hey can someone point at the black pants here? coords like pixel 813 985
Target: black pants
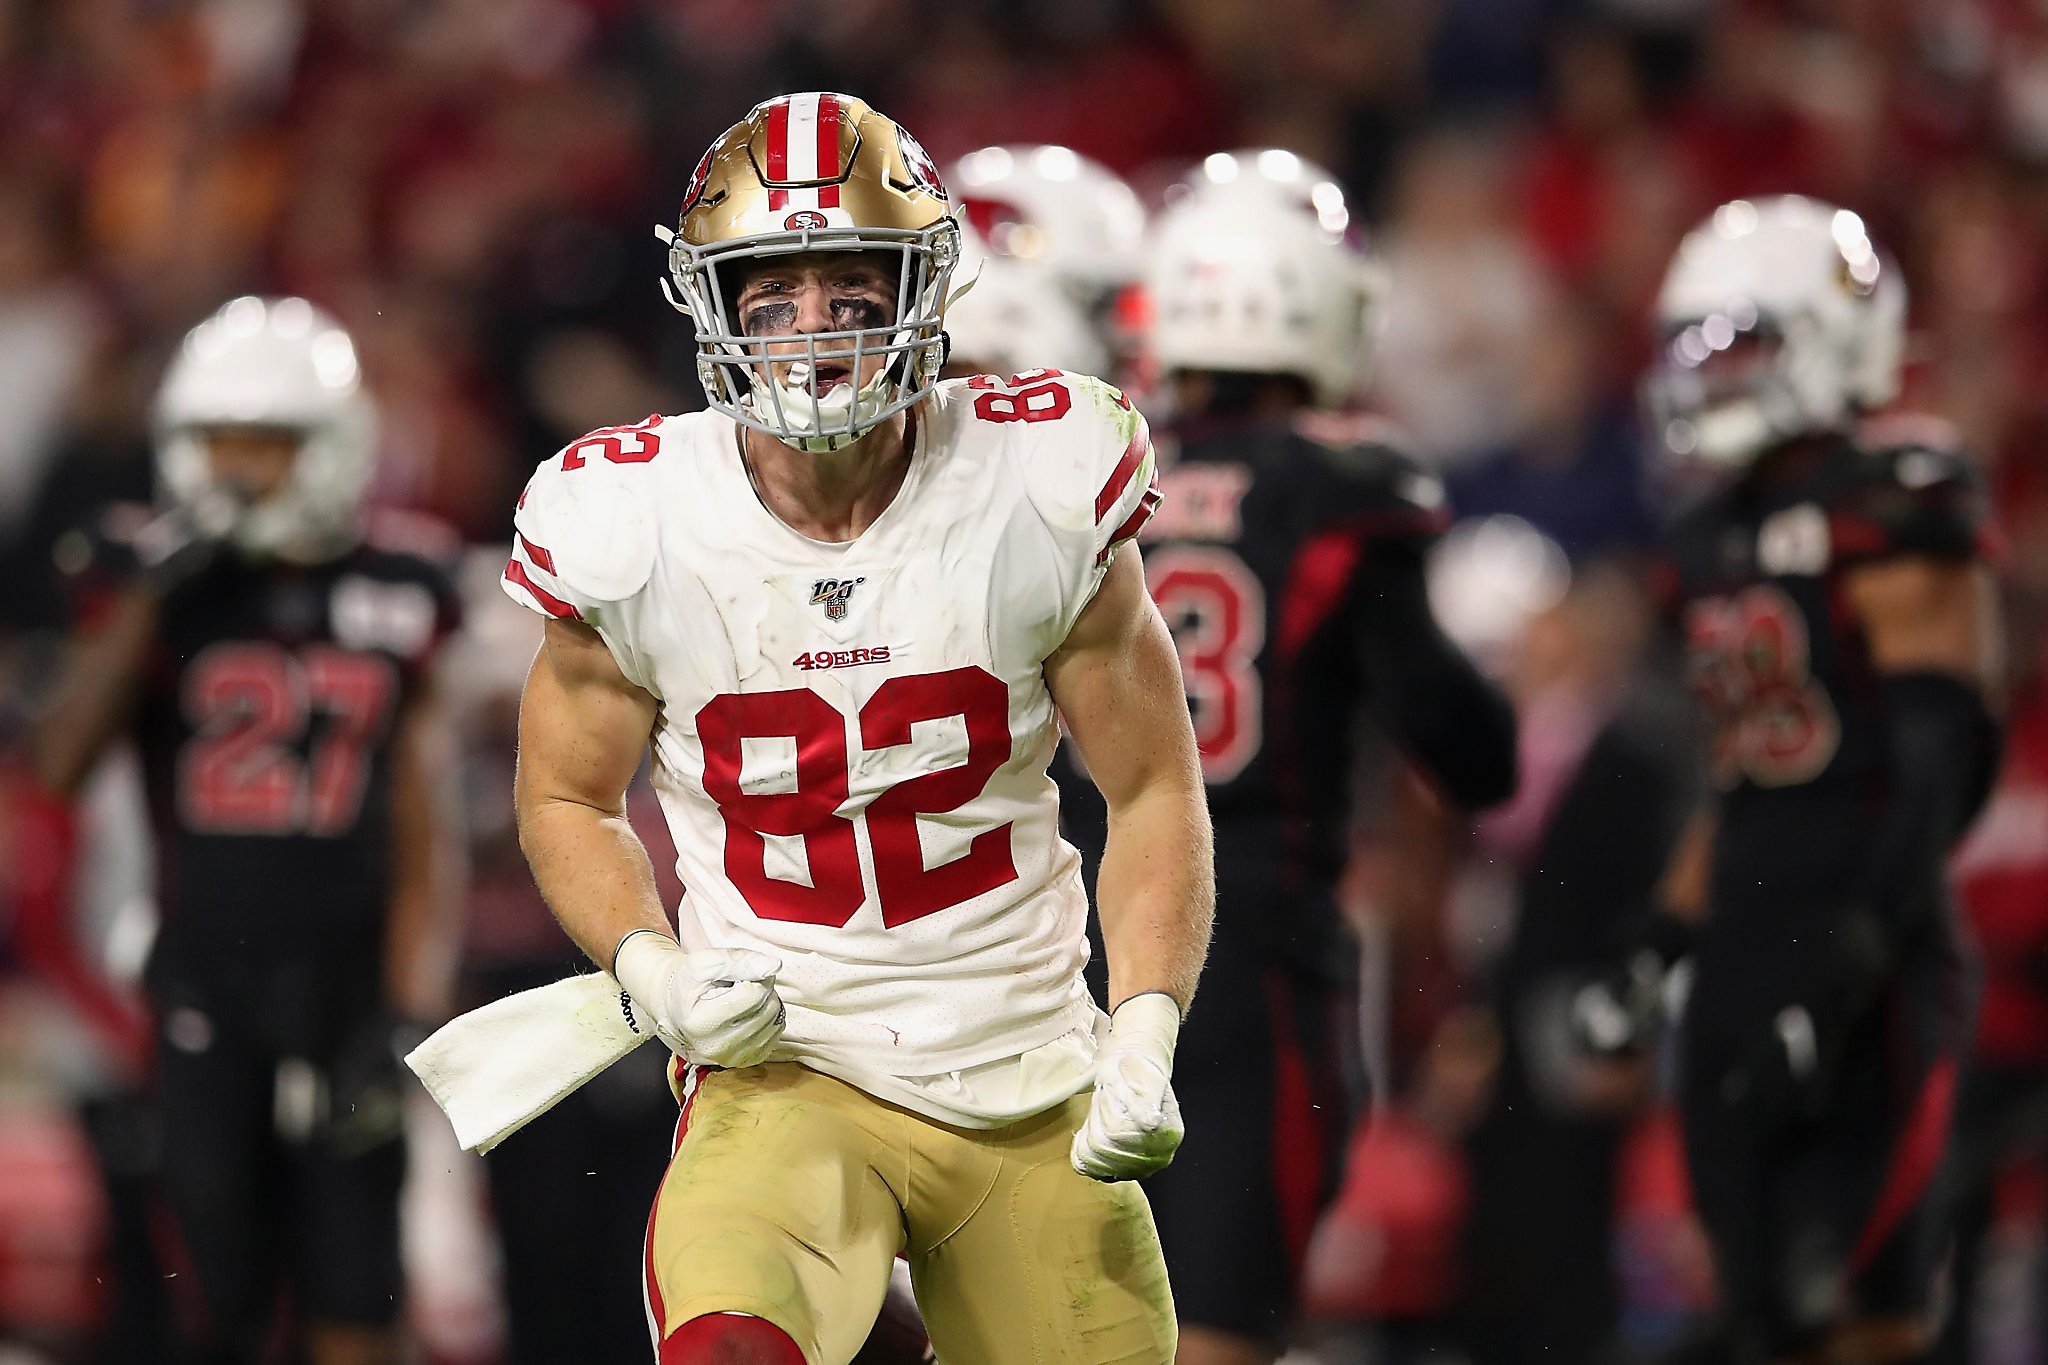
pixel 2002 1116
pixel 268 1209
pixel 1820 1218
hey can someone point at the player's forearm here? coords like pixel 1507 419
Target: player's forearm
pixel 1944 746
pixel 1156 891
pixel 423 946
pixel 93 697
pixel 594 873
pixel 423 933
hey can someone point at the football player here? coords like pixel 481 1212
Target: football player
pixel 1061 218
pixel 271 659
pixel 1841 632
pixel 1289 562
pixel 842 606
pixel 1009 314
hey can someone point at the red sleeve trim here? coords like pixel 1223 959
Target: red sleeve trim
pixel 543 560
pixel 1317 580
pixel 1120 477
pixel 515 573
pixel 1148 503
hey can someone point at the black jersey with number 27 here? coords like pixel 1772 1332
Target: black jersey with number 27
pixel 265 723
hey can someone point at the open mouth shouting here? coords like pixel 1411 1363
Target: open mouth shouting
pixel 819 379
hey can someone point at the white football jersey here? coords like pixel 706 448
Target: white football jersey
pixel 852 743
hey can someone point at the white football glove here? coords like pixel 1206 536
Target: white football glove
pixel 1133 1126
pixel 717 1007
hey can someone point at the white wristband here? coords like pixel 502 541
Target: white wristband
pixel 1148 1023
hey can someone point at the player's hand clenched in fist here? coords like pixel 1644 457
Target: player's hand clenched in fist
pixel 717 1007
pixel 1133 1126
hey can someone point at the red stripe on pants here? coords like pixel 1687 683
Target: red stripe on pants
pixel 1913 1163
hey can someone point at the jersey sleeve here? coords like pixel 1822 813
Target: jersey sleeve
pixel 1093 479
pixel 1129 494
pixel 1374 488
pixel 97 561
pixel 1917 494
pixel 583 548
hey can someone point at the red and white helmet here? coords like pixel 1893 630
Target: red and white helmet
pixel 1247 284
pixel 1053 206
pixel 1010 315
pixel 275 363
pixel 1779 317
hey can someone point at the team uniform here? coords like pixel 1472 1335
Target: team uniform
pixel 851 755
pixel 1817 1208
pixel 1288 561
pixel 265 723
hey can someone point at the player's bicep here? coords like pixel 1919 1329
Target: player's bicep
pixel 1926 615
pixel 583 725
pixel 1117 683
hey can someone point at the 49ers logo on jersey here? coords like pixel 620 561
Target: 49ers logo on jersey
pixel 833 594
pixel 813 659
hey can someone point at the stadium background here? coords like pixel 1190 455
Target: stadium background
pixel 469 184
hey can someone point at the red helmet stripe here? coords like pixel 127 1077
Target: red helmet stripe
pixel 828 149
pixel 778 141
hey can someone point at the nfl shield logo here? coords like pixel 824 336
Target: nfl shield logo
pixel 832 594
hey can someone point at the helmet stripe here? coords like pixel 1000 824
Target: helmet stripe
pixel 801 134
pixel 778 152
pixel 828 149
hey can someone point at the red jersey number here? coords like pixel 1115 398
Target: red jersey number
pixel 636 444
pixel 1033 396
pixel 806 804
pixel 253 707
pixel 1774 722
pixel 1216 609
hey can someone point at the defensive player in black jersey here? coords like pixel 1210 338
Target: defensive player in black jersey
pixel 1289 562
pixel 271 661
pixel 1841 631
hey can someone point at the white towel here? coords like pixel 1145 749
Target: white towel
pixel 496 1069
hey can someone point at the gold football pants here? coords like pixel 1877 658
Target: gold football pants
pixel 790 1194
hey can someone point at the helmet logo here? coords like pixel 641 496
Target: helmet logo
pixel 924 174
pixel 806 221
pixel 697 179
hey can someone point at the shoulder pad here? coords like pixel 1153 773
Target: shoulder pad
pixel 593 519
pixel 1091 466
pixel 1914 492
pixel 1374 453
pixel 1371 478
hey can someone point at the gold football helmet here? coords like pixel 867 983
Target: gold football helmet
pixel 814 172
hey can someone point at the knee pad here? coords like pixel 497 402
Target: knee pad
pixel 730 1339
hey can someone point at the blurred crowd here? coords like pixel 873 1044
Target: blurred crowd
pixel 469 186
